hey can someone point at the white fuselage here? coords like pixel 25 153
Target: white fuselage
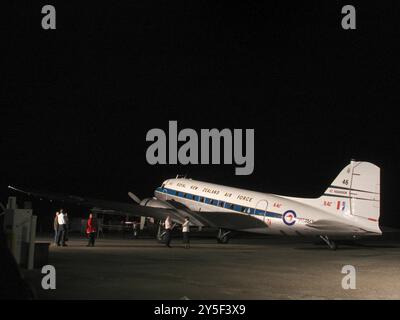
pixel 280 214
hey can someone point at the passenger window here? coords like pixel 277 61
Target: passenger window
pixel 228 205
pixel 221 204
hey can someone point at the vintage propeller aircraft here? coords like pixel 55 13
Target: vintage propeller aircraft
pixel 349 208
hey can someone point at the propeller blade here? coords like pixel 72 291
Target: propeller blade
pixel 134 197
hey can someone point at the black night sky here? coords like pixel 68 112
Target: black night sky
pixel 78 101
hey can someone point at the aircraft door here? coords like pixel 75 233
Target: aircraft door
pixel 261 209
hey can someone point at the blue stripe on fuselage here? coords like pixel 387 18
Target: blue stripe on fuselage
pixel 211 201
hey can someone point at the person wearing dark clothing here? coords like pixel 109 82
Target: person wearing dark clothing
pixel 91 230
pixel 61 235
pixel 62 228
pixel 55 228
pixel 66 226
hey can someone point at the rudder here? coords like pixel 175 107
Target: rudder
pixel 358 187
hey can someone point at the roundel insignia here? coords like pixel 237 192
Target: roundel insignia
pixel 289 217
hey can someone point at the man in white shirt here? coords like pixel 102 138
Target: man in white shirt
pixel 61 228
pixel 185 233
pixel 168 228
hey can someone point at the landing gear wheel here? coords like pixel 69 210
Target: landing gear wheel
pixel 223 236
pixel 224 239
pixel 161 238
pixel 161 234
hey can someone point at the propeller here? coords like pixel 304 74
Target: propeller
pixel 135 198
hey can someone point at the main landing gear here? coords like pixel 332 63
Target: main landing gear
pixel 332 245
pixel 161 233
pixel 223 236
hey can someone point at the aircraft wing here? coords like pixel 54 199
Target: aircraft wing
pixel 178 212
pixel 104 206
pixel 328 225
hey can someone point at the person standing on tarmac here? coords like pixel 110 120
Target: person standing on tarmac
pixel 185 233
pixel 66 226
pixel 61 228
pixel 91 229
pixel 55 223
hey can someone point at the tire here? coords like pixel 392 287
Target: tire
pixel 161 239
pixel 224 239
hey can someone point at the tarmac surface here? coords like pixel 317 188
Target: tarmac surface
pixel 257 268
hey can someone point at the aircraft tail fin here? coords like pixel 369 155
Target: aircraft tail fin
pixel 356 193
